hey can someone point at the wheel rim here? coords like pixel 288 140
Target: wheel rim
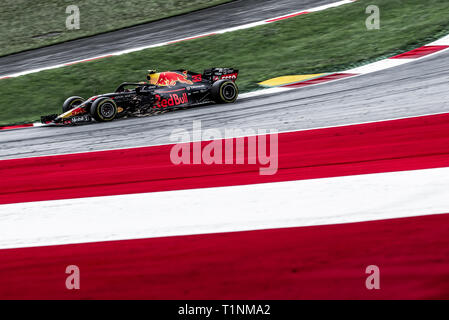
pixel 229 92
pixel 72 104
pixel 107 109
pixel 76 103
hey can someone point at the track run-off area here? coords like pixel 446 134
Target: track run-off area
pixel 362 179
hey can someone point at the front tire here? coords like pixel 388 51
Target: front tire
pixel 104 109
pixel 224 91
pixel 71 103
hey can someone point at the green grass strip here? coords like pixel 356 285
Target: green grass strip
pixel 327 41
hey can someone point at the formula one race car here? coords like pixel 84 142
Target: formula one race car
pixel 163 91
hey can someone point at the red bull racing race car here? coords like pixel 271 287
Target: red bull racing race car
pixel 163 91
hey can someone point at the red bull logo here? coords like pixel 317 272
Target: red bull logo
pixel 171 101
pixel 169 78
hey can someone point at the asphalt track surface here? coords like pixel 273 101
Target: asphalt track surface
pixel 228 15
pixel 413 89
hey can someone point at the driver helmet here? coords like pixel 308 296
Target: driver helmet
pixel 150 73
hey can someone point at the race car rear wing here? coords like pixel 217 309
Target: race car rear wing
pixel 216 74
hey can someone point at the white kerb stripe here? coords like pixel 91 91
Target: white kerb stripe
pixel 225 209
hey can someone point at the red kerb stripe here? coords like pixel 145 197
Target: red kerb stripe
pixel 420 52
pixel 322 262
pixel 17 126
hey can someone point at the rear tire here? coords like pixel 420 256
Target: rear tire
pixel 224 91
pixel 104 109
pixel 71 103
